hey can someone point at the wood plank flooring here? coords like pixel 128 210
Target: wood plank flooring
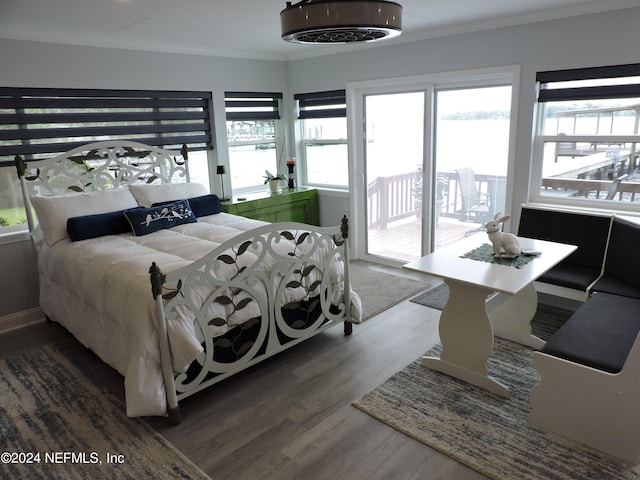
pixel 402 239
pixel 291 417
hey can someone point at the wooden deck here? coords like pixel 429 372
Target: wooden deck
pixel 401 239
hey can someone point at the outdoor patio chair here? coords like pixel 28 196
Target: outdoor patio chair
pixel 615 186
pixel 475 204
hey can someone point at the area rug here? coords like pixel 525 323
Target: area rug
pixel 379 290
pixel 484 431
pixel 435 298
pixel 54 424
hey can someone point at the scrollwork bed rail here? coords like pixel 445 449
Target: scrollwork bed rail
pixel 294 285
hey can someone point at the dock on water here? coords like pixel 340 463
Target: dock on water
pixel 607 174
pixel 580 165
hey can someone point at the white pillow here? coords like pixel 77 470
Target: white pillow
pixel 147 195
pixel 54 211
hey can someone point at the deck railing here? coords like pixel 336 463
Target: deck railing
pixel 400 196
pixel 577 187
pixel 393 198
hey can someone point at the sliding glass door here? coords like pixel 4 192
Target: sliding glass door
pixel 430 161
pixel 471 159
pixel 394 162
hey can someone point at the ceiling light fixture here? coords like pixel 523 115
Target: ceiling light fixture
pixel 340 21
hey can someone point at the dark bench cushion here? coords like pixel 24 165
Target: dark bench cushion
pixel 571 276
pixel 610 284
pixel 588 232
pixel 599 334
pixel 622 263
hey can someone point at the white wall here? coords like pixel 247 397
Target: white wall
pixel 602 39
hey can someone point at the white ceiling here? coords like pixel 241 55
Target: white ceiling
pixel 251 28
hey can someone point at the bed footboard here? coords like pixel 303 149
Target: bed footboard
pixel 256 295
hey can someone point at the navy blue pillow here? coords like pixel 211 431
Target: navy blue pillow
pixel 97 225
pixel 201 206
pixel 148 220
pixel 205 205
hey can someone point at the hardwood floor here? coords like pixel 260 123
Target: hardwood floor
pixel 291 417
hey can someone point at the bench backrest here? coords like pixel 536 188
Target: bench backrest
pixel 622 260
pixel 589 232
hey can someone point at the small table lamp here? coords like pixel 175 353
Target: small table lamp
pixel 220 170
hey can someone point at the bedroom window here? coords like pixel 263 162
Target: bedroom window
pixel 253 136
pixel 38 123
pixel 587 147
pixel 323 117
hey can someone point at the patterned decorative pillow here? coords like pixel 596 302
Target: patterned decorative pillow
pixel 148 220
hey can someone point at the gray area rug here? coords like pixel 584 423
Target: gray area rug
pixel 379 290
pixel 55 424
pixel 483 431
pixel 435 298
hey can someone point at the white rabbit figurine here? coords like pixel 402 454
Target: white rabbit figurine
pixel 506 242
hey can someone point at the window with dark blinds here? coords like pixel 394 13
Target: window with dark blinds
pixel 595 83
pixel 252 105
pixel 38 122
pixel 586 146
pixel 330 104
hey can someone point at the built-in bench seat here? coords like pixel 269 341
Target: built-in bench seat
pixel 589 388
pixel 589 232
pixel 599 334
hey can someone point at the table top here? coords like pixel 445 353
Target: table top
pixel 446 263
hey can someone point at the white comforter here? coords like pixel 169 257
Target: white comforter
pixel 99 289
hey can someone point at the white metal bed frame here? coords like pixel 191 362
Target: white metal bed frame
pixel 113 164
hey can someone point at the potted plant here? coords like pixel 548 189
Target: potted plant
pixel 442 192
pixel 273 180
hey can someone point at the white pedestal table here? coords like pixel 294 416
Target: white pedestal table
pixel 466 327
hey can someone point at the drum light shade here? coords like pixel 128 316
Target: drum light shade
pixel 340 21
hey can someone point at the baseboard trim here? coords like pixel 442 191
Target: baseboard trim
pixel 21 320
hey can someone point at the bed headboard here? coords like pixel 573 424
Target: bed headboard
pixel 100 166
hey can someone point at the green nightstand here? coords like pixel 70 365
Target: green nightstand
pixel 289 205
